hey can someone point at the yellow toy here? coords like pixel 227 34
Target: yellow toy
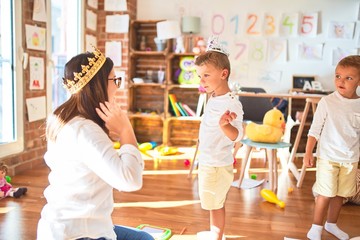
pixel 117 145
pixel 165 150
pixel 143 147
pixel 271 197
pixel 270 131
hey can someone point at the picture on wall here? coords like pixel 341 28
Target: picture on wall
pixel 341 30
pixel 35 37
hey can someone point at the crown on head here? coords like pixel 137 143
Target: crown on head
pixel 214 45
pixel 87 72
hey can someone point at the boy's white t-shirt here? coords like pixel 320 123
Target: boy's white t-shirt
pixel 215 148
pixel 336 126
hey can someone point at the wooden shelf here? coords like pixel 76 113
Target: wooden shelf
pixel 183 118
pixel 162 127
pixel 187 86
pixel 147 53
pixel 131 84
pixel 145 115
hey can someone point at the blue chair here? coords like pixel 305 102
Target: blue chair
pixel 271 157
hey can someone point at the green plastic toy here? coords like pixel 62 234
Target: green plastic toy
pixel 159 233
pixel 8 179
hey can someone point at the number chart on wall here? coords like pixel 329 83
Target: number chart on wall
pixel 271 41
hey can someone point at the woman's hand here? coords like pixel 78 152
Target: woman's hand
pixel 117 122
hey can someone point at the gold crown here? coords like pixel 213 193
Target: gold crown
pixel 87 72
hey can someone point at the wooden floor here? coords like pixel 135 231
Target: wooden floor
pixel 170 199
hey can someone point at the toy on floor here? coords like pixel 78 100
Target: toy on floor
pixel 6 189
pixel 159 233
pixel 187 162
pixel 143 147
pixel 271 197
pixel 8 179
pixel 270 131
pixel 116 145
pixel 166 150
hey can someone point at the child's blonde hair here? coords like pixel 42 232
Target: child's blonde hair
pixel 218 60
pixel 350 61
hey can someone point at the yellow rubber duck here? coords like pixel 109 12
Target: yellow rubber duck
pixel 270 131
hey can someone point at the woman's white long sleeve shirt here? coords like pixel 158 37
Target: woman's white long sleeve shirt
pixel 84 170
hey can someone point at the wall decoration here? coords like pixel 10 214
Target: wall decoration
pixel 113 50
pixel 339 53
pixel 292 21
pixel 35 37
pixel 91 20
pixel 310 51
pixel 36 73
pixel 36 108
pixel 257 50
pixel 309 25
pixel 39 11
pixel 117 23
pixel 115 5
pixel 289 25
pixel 277 50
pixel 341 30
pixel 93 3
pixel 271 25
pixel 239 72
pixel 271 77
pixel 253 25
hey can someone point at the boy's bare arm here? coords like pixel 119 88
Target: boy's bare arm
pixel 308 159
pixel 229 130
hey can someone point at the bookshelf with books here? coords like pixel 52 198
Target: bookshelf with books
pixel 150 110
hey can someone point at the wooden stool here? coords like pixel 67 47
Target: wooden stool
pixel 291 165
pixel 271 156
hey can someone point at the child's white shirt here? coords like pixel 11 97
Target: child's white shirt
pixel 215 148
pixel 336 127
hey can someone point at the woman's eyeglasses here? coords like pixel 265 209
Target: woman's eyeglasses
pixel 117 81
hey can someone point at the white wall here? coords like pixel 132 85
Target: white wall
pixel 273 76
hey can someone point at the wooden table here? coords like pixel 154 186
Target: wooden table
pixel 310 99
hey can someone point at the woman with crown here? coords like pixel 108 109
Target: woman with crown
pixel 84 166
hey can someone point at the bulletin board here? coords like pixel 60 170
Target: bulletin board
pixel 271 41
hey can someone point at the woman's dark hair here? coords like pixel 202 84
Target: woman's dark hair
pixel 84 102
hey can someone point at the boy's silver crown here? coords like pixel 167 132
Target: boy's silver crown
pixel 214 45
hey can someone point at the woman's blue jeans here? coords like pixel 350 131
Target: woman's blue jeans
pixel 126 233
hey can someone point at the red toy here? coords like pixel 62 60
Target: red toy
pixel 187 162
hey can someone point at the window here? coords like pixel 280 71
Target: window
pixel 11 86
pixel 66 34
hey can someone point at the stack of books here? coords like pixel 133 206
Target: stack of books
pixel 179 108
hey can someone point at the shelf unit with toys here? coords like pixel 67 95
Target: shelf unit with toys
pixel 150 110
